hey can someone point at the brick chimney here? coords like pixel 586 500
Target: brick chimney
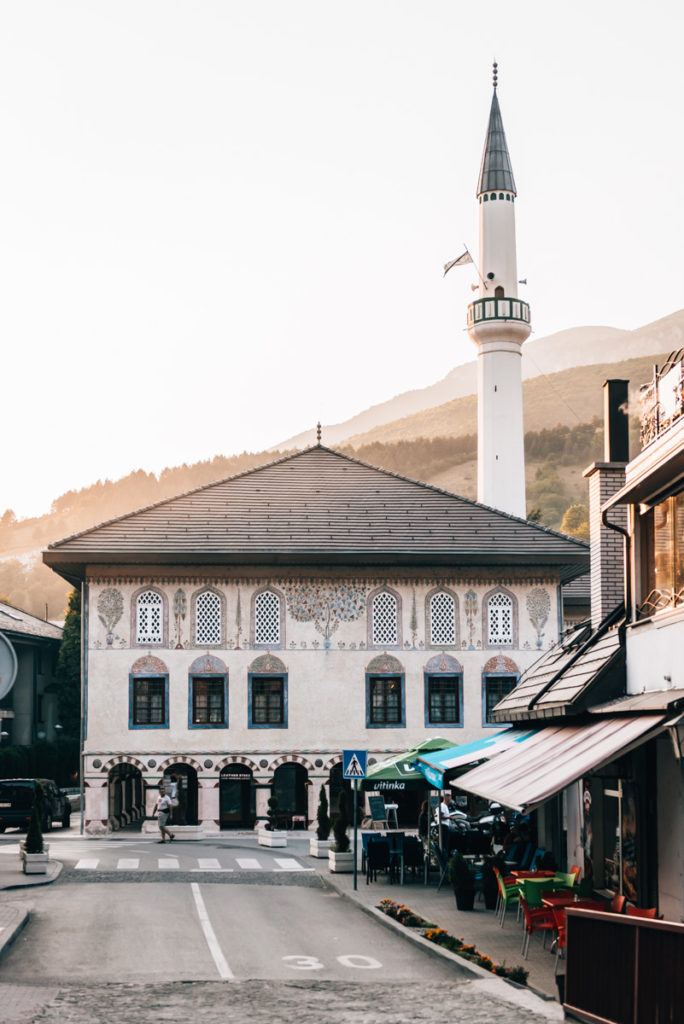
pixel 605 479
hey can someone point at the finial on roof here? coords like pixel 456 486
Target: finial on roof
pixel 495 73
pixel 318 432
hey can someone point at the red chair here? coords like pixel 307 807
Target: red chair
pixel 575 870
pixel 537 919
pixel 641 911
pixel 617 904
pixel 560 921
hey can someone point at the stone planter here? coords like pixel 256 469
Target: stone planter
pixel 36 863
pixel 465 898
pixel 188 833
pixel 319 847
pixel 22 849
pixel 341 863
pixel 266 838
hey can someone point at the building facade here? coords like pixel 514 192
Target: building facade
pixel 246 633
pixel 29 708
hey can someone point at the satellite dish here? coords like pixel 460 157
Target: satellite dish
pixel 8 666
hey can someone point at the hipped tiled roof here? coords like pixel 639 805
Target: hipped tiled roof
pixel 319 506
pixel 14 622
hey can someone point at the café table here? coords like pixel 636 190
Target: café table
pixel 568 899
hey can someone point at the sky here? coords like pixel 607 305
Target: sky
pixel 221 222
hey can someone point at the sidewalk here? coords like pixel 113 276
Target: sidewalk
pixel 14 916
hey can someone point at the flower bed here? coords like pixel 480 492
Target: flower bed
pixel 407 917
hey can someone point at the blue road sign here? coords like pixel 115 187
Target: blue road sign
pixel 354 763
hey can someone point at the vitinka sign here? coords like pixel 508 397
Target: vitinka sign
pixel 8 666
pixel 389 785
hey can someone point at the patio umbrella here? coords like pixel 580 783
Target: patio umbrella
pixel 398 772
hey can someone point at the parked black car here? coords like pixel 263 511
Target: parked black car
pixel 16 801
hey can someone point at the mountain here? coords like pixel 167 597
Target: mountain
pixel 572 348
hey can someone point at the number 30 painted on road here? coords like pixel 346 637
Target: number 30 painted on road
pixel 311 963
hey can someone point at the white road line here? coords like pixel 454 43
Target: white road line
pixel 86 865
pixel 168 863
pixel 208 863
pixel 209 934
pixel 127 863
pixel 248 863
pixel 290 864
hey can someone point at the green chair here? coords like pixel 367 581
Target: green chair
pixel 507 894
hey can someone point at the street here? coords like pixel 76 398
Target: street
pixel 222 930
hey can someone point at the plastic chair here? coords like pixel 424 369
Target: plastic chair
pixel 536 920
pixel 507 894
pixel 576 871
pixel 561 923
pixel 617 904
pixel 641 912
pixel 413 855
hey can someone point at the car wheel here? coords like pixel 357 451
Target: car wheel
pixel 2 828
pixel 48 823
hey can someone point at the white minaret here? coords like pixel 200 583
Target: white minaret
pixel 499 323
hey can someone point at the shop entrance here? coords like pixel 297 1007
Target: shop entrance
pixel 126 801
pixel 237 797
pixel 289 789
pixel 186 812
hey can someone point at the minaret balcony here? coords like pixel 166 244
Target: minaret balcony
pixel 483 310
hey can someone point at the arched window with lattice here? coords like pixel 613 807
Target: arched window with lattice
pixel 208 618
pixel 149 618
pixel 268 626
pixel 441 613
pixel 501 619
pixel 384 626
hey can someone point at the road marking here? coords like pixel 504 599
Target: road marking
pixel 127 863
pixel 290 864
pixel 209 934
pixel 304 963
pixel 248 863
pixel 168 863
pixel 86 865
pixel 208 864
pixel 366 963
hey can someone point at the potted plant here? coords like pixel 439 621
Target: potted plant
pixel 269 834
pixel 462 881
pixel 319 845
pixel 36 854
pixel 340 857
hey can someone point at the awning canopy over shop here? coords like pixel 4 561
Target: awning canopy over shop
pixel 436 765
pixel 526 775
pixel 399 772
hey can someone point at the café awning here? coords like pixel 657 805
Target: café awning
pixel 399 771
pixel 526 775
pixel 435 766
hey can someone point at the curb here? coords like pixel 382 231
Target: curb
pixel 13 918
pixel 54 871
pixel 501 988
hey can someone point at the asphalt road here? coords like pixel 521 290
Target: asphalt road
pixel 267 943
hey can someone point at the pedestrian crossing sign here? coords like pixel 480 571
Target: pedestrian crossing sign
pixel 354 764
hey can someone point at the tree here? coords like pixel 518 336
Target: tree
pixel 341 824
pixel 576 522
pixel 323 827
pixel 69 668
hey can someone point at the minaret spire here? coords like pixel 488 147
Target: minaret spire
pixel 499 323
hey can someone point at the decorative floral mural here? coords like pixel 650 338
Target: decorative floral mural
pixel 470 604
pixel 325 604
pixel 538 608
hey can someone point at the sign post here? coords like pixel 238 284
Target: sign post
pixel 354 764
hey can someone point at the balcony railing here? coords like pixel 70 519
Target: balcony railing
pixel 498 309
pixel 661 399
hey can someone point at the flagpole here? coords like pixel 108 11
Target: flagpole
pixel 482 280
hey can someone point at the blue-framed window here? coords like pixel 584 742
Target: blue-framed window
pixel 495 686
pixel 444 699
pixel 148 700
pixel 208 702
pixel 267 701
pixel 385 707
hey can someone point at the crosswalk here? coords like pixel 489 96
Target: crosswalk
pixel 276 864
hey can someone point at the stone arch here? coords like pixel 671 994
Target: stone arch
pixel 291 759
pixel 267 664
pixel 124 759
pixel 456 642
pixel 134 616
pixel 385 663
pixel 149 665
pixel 236 759
pixel 500 664
pixel 443 663
pixel 193 615
pixel 491 595
pixel 207 665
pixel 267 588
pixel 331 762
pixel 178 759
pixel 370 626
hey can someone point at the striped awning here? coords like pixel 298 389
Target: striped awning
pixel 435 766
pixel 525 776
